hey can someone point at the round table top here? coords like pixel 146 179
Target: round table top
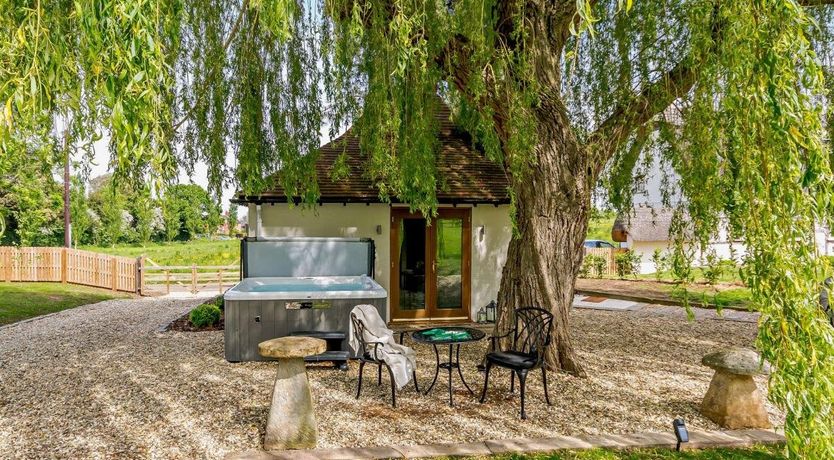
pixel 448 335
pixel 291 347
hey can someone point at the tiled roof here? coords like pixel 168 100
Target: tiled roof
pixel 646 223
pixel 465 173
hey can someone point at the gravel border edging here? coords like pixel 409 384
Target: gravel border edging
pixel 697 440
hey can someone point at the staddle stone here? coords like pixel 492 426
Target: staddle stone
pixel 736 360
pixel 292 347
pixel 733 401
pixel 292 421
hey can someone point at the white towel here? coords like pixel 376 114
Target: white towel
pixel 401 359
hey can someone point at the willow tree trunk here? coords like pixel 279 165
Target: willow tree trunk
pixel 552 210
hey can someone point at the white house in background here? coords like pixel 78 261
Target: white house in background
pixel 448 269
pixel 648 230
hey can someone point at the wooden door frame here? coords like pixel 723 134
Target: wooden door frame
pixel 465 214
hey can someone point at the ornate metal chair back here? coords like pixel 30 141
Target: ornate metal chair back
pixel 359 334
pixel 532 331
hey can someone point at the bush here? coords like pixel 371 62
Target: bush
pixel 713 268
pixel 661 263
pixel 585 268
pixel 594 263
pixel 626 264
pixel 205 315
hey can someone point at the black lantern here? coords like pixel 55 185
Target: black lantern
pixel 681 433
pixel 490 312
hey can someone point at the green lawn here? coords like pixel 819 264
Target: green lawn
pixel 599 227
pixel 770 452
pixel 733 297
pixel 19 301
pixel 197 252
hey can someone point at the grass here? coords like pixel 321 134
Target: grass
pixel 739 297
pixel 19 301
pixel 729 275
pixel 769 452
pixel 599 227
pixel 197 252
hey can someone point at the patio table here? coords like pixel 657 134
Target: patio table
pixel 454 337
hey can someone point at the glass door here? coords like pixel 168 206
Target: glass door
pixel 451 236
pixel 430 264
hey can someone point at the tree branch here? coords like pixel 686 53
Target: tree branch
pixel 640 109
pixel 226 43
pixel 651 101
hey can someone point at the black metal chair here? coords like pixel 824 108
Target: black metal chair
pixel 367 354
pixel 531 336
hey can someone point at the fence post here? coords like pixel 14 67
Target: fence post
pixel 167 281
pixel 140 274
pixel 114 273
pixel 220 280
pixel 193 278
pixel 7 265
pixel 63 265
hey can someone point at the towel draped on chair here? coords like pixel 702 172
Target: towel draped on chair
pixel 401 359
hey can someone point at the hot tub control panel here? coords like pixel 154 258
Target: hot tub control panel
pixel 307 304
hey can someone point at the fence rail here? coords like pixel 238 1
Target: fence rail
pixel 164 279
pixel 609 254
pixel 140 275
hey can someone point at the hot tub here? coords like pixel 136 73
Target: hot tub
pixel 259 309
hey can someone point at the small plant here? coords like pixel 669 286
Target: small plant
pixel 596 264
pixel 585 268
pixel 205 315
pixel 680 265
pixel 661 263
pixel 626 264
pixel 713 269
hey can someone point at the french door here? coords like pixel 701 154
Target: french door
pixel 430 264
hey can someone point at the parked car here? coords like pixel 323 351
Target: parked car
pixel 598 244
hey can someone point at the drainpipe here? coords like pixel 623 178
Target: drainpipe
pixel 258 223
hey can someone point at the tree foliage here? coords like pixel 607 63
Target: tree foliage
pixel 727 95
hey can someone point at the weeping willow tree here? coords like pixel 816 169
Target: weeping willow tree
pixel 566 95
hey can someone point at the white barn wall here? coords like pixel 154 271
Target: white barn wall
pixel 490 253
pixel 360 221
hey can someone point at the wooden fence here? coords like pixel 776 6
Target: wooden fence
pixel 67 265
pixel 609 254
pixel 140 275
pixel 164 279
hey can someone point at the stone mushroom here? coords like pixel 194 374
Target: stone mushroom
pixel 733 401
pixel 292 422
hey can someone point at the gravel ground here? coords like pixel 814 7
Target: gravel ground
pixel 100 381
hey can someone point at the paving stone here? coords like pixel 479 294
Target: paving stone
pixel 444 450
pixel 697 440
pixel 252 454
pixel 505 446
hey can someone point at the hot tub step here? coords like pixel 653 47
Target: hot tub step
pixel 334 352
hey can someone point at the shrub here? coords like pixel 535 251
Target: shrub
pixel 626 263
pixel 595 264
pixel 205 315
pixel 585 268
pixel 661 262
pixel 713 268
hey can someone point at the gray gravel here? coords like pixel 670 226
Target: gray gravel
pixel 100 381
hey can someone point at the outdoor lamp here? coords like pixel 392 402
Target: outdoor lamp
pixel 482 316
pixel 490 312
pixel 680 432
